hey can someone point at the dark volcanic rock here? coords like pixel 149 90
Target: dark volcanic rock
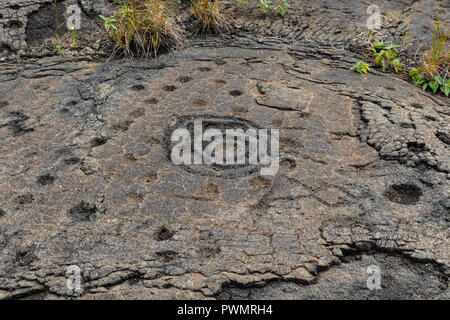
pixel 141 227
pixel 25 23
pixel 86 177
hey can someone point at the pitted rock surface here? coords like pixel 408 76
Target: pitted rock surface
pixel 86 179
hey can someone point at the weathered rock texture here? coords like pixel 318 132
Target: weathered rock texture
pixel 86 178
pixel 25 23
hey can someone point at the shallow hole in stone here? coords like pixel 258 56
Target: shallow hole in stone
pixel 209 190
pixel 45 179
pixel 199 103
pixel 71 161
pixel 289 142
pixel 123 125
pixel 71 103
pixel 288 163
pixel 3 104
pixel 261 182
pixel 416 105
pixel 98 141
pixel 151 101
pixel 219 81
pixel 83 212
pixel 134 197
pixel 163 234
pixel 430 118
pixel 25 198
pixel 236 93
pixel 2 213
pixel 167 256
pixel 139 112
pixel 209 252
pixel 260 89
pixel 138 87
pixel 277 123
pixel 444 137
pixel 404 193
pixel 134 280
pixel 169 88
pixel 239 110
pixel 220 62
pixel 152 142
pixel 184 79
pixel 407 125
pixel 204 69
pixel 149 176
pixel 5 48
pixel 415 146
pixel 130 157
pixel 14 24
pixel 25 256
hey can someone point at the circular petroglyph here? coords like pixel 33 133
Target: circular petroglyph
pixel 222 124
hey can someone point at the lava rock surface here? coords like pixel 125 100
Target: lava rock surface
pixel 86 177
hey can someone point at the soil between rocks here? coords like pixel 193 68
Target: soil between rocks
pixel 86 180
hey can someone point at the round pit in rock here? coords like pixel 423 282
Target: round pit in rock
pixel 407 194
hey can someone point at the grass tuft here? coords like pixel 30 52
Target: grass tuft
pixel 434 67
pixel 436 60
pixel 143 27
pixel 210 13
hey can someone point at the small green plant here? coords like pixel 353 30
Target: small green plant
pixel 435 84
pixel 397 65
pixel 438 83
pixel 74 38
pixel 59 49
pixel 282 7
pixel 416 75
pixel 384 54
pixel 110 23
pixel 265 5
pixel 361 67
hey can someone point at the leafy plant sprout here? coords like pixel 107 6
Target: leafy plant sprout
pixel 361 67
pixel 110 23
pixel 282 7
pixel 436 83
pixel 384 53
pixel 266 6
